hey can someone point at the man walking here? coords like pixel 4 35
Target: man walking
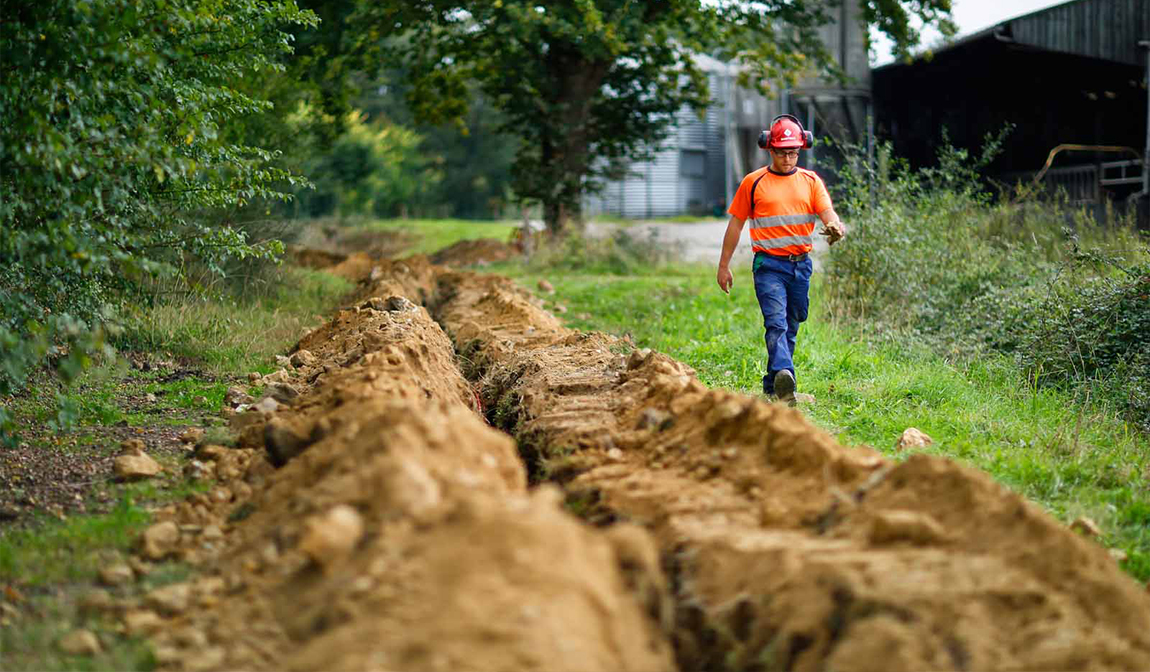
pixel 781 200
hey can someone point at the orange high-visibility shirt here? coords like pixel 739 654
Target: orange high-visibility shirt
pixel 785 206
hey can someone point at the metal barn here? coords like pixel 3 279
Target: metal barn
pixel 698 168
pixel 1070 78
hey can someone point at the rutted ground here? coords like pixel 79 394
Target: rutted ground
pixel 399 532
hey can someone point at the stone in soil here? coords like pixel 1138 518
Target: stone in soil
pixel 192 435
pixel 169 600
pixel 116 575
pixel 80 643
pixel 136 467
pixel 913 437
pixel 160 540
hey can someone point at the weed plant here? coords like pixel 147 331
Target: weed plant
pixel 933 257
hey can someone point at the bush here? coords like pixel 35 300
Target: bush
pixel 932 256
pixel 112 117
pixel 1092 324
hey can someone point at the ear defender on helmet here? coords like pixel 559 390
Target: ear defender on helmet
pixel 786 131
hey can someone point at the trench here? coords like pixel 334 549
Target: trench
pixel 780 548
pixel 725 533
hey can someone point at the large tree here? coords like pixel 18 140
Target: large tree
pixel 585 85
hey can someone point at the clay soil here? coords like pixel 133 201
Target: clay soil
pixel 413 506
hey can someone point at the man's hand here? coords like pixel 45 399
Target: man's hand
pixel 725 279
pixel 834 232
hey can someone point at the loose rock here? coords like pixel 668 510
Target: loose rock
pixel 142 622
pixel 302 358
pixel 80 643
pixel 116 575
pixel 97 601
pixel 132 447
pixel 192 435
pixel 282 392
pixel 913 438
pixel 235 396
pixel 330 537
pixel 169 600
pixel 136 467
pixel 160 540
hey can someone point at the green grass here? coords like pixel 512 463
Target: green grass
pixel 436 234
pixel 54 565
pixel 1071 456
pixel 240 334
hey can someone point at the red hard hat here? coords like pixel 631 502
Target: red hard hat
pixel 786 134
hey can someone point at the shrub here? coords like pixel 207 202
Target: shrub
pixel 932 256
pixel 112 117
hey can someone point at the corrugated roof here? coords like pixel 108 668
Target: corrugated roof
pixel 1103 29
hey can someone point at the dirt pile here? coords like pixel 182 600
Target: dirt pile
pixel 475 252
pixel 399 533
pixel 784 548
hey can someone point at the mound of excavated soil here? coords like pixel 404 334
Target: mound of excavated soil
pixel 399 532
pixel 786 548
pixel 472 252
pixel 310 257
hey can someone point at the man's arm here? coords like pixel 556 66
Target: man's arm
pixel 730 242
pixel 833 227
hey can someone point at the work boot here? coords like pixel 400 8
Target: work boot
pixel 785 386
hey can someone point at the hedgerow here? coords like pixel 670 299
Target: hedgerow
pixel 113 119
pixel 932 256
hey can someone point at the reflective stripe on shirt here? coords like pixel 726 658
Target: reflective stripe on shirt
pixel 781 220
pixel 779 243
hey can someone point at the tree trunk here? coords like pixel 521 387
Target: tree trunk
pixel 565 155
pixel 555 216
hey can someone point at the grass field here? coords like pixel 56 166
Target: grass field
pixel 1054 448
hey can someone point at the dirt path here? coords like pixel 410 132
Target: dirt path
pixel 399 531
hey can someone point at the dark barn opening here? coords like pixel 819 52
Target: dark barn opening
pixel 1070 74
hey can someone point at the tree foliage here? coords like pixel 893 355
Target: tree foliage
pixel 585 85
pixel 113 134
pixel 374 169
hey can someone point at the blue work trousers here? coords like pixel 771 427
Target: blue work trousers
pixel 782 288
